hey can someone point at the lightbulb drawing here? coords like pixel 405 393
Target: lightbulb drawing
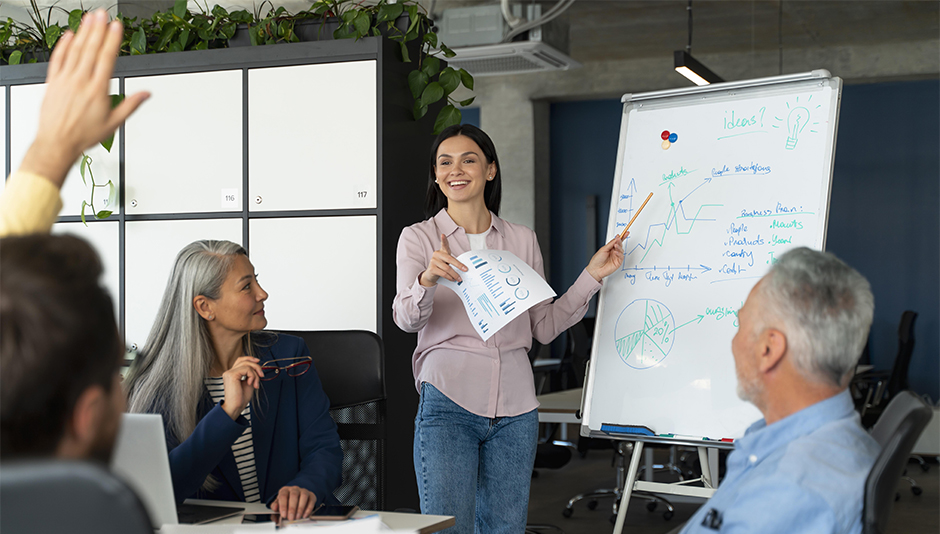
pixel 796 121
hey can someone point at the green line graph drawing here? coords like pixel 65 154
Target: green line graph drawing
pixel 643 335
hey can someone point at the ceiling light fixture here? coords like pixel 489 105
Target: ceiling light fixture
pixel 687 66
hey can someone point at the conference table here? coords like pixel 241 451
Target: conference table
pixel 395 521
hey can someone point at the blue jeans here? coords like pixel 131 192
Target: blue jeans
pixel 475 468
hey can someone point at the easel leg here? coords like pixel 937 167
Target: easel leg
pixel 706 471
pixel 628 486
pixel 713 466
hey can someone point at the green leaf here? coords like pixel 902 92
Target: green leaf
pixel 254 34
pixel 432 66
pixel 449 80
pixel 179 8
pixel 168 31
pixel 417 81
pixel 201 45
pixel 83 212
pixel 467 102
pixel 240 17
pixel 321 8
pixel 349 16
pixel 52 35
pixel 75 19
pixel 431 39
pixel 227 31
pixel 448 116
pixel 115 100
pixel 112 199
pixel 81 167
pixel 15 57
pixel 404 53
pixel 219 12
pixel 174 47
pixel 107 142
pixel 103 214
pixel 139 42
pixel 447 51
pixel 413 16
pixel 203 34
pixel 431 94
pixel 363 22
pixel 390 12
pixel 419 110
pixel 467 79
pixel 376 32
pixel 184 38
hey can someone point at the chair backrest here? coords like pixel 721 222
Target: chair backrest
pixel 52 496
pixel 899 372
pixel 579 345
pixel 351 365
pixel 896 431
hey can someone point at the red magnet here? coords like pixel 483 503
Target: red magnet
pixel 665 135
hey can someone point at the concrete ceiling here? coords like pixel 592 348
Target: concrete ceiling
pixel 633 29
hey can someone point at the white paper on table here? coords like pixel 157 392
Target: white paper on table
pixel 357 525
pixel 497 288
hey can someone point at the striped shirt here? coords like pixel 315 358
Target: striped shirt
pixel 243 448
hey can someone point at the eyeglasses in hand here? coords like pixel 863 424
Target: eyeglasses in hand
pixel 292 366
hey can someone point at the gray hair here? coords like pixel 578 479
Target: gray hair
pixel 168 375
pixel 825 308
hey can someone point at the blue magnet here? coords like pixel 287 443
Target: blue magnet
pixel 673 137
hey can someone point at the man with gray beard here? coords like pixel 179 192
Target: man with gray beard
pixel 802 468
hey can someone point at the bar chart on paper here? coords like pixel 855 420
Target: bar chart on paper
pixel 498 287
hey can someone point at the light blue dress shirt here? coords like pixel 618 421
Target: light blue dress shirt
pixel 805 473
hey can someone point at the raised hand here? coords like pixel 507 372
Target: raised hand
pixel 76 110
pixel 607 259
pixel 441 264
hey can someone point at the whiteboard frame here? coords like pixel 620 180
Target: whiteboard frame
pixel 671 97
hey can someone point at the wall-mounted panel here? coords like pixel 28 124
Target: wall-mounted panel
pixel 150 251
pixel 104 238
pixel 312 137
pixel 319 272
pixel 25 103
pixel 184 144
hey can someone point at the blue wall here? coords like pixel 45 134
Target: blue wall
pixel 884 215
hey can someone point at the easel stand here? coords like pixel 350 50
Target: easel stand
pixel 708 456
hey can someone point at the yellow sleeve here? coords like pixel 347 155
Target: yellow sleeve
pixel 29 204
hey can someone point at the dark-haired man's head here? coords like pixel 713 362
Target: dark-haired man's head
pixel 60 391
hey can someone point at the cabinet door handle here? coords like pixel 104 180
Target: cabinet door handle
pixel 133 202
pixel 258 199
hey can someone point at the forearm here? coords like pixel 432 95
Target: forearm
pixel 552 318
pixel 29 204
pixel 192 460
pixel 412 306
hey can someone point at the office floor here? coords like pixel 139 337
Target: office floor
pixel 552 489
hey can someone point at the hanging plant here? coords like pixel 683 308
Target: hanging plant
pixel 178 29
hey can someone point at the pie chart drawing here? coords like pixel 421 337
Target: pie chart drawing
pixel 643 335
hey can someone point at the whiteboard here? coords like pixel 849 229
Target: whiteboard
pixel 741 173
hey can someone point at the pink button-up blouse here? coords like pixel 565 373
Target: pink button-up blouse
pixel 491 378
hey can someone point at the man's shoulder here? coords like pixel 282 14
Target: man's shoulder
pixel 841 448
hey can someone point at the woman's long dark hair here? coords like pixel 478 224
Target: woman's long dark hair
pixel 493 191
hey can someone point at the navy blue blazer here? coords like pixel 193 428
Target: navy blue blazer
pixel 295 439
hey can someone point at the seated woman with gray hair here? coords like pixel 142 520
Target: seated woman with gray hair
pixel 245 414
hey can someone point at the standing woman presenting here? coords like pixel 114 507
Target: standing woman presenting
pixel 477 425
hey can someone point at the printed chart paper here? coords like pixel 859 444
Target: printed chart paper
pixel 497 288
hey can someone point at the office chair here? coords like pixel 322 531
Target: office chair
pixel 351 365
pixel 883 386
pixel 896 431
pixel 53 496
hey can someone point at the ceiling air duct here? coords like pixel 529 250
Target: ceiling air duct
pixel 491 41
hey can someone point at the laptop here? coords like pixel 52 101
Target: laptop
pixel 141 459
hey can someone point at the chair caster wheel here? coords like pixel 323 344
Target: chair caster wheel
pixel 592 505
pixel 651 506
pixel 667 515
pixel 916 490
pixel 567 512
